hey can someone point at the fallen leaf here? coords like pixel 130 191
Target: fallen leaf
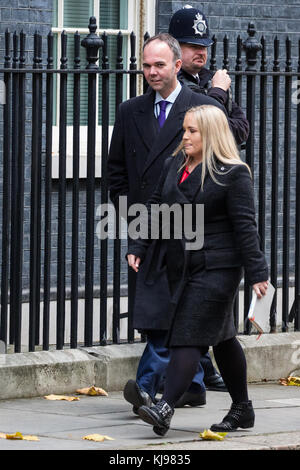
pixel 290 381
pixel 16 436
pixel 209 435
pixel 30 438
pixel 92 391
pixel 294 381
pixel 97 438
pixel 61 397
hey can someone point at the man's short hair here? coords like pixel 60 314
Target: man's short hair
pixel 169 40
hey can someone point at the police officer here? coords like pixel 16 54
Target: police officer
pixel 189 26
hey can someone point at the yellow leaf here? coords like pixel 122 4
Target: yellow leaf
pixel 97 438
pixel 16 436
pixel 92 391
pixel 294 381
pixel 290 381
pixel 61 397
pixel 209 435
pixel 30 438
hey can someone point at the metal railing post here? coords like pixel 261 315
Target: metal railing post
pixel 252 47
pixel 92 43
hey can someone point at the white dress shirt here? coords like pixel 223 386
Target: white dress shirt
pixel 171 100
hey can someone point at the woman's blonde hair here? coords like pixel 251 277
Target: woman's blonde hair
pixel 218 142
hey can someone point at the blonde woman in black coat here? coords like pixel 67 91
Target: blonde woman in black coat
pixel 206 169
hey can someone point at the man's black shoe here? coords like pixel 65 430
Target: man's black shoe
pixel 191 399
pixel 240 415
pixel 159 416
pixel 136 396
pixel 215 383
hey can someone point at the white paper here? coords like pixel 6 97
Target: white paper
pixel 259 310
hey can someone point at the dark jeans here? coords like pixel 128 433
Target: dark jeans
pixel 154 362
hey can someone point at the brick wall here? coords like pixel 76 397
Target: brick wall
pixel 29 15
pixel 272 18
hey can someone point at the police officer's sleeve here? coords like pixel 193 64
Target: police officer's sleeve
pixel 237 120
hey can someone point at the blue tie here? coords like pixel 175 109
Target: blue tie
pixel 162 114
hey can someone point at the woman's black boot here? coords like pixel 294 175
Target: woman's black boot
pixel 240 415
pixel 159 416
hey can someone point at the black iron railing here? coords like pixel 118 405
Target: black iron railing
pixel 272 151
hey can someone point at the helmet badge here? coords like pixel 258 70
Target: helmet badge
pixel 199 25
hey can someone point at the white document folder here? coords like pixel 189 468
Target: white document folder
pixel 259 310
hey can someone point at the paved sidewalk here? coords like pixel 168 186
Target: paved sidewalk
pixel 62 425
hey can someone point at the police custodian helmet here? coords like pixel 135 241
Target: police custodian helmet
pixel 189 25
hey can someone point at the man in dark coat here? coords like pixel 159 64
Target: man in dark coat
pixel 141 142
pixel 189 26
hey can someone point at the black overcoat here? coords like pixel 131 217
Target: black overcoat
pixel 137 154
pixel 203 283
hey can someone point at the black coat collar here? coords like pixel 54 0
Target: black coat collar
pixel 155 139
pixel 146 124
pixel 184 192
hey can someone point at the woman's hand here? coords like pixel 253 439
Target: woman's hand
pixel 260 288
pixel 134 262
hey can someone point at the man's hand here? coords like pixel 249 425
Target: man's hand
pixel 134 262
pixel 260 288
pixel 221 79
